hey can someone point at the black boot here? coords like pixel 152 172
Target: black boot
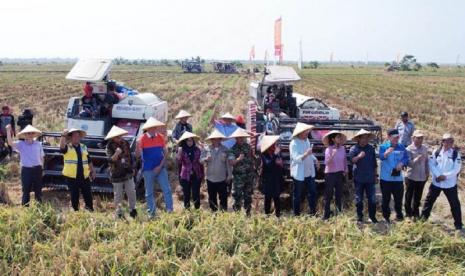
pixel 133 213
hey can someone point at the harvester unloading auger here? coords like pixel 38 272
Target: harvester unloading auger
pixel 280 116
pixel 130 113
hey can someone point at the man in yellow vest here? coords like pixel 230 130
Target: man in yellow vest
pixel 77 169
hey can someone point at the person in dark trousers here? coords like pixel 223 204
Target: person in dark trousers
pixel 363 157
pixel 272 173
pixel 182 125
pixel 445 165
pixel 192 171
pixel 31 156
pixel 394 158
pixel 219 172
pixel 335 170
pixel 416 175
pixel 77 170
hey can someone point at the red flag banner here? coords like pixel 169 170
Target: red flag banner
pixel 277 38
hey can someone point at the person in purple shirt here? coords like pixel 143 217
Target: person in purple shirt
pixel 335 170
pixel 192 171
pixel 31 156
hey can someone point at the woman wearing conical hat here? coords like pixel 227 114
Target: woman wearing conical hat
pixel 336 170
pixel 31 156
pixel 121 170
pixel 182 125
pixel 219 173
pixel 303 163
pixel 192 171
pixel 272 173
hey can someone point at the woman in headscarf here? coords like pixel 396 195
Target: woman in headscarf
pixel 272 173
pixel 192 172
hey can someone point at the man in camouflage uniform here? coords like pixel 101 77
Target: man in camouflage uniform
pixel 241 159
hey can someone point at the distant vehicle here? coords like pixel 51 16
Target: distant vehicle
pixel 130 113
pixel 224 67
pixel 192 66
pixel 281 115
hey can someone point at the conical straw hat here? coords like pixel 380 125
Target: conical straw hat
pixel 267 141
pixel 228 116
pixel 115 132
pixel 326 137
pixel 82 132
pixel 186 135
pixel 361 133
pixel 29 129
pixel 301 127
pixel 239 133
pixel 216 135
pixel 183 114
pixel 151 123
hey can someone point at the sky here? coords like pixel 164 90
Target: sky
pixel 353 30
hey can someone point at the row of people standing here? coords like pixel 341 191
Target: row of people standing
pixel 237 163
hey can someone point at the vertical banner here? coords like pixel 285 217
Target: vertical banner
pixel 278 46
pixel 252 53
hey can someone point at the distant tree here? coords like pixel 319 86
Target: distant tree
pixel 198 59
pixel 433 65
pixel 387 64
pixel 1 63
pixel 313 64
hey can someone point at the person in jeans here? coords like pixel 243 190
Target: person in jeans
pixel 219 172
pixel 31 156
pixel 416 175
pixel 303 168
pixel 121 170
pixel 394 158
pixel 363 157
pixel 151 148
pixel 272 173
pixel 405 128
pixel 192 171
pixel 335 169
pixel 445 165
pixel 77 170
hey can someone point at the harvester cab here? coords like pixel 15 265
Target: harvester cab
pixel 224 67
pixel 275 109
pixel 129 111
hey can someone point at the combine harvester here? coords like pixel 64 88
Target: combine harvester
pixel 224 67
pixel 192 66
pixel 130 113
pixel 289 108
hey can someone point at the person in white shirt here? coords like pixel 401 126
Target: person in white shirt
pixel 445 165
pixel 303 164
